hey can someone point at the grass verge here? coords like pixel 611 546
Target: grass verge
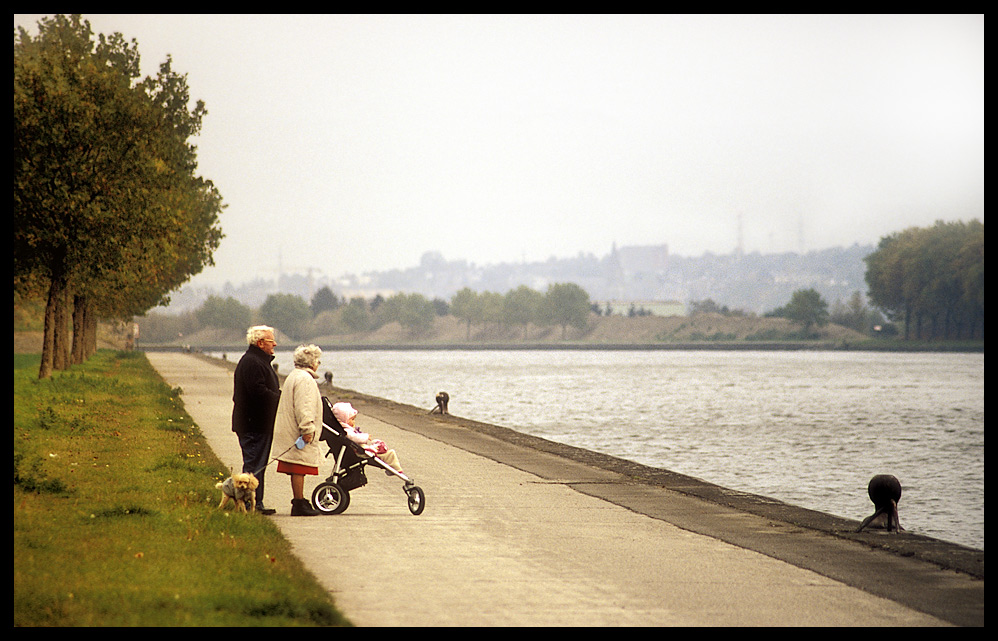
pixel 115 512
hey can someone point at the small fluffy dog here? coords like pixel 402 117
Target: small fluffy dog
pixel 239 488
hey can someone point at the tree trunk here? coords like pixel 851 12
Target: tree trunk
pixel 79 329
pixel 90 329
pixel 56 297
pixel 48 338
pixel 60 357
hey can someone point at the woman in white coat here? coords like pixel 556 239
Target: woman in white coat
pixel 299 415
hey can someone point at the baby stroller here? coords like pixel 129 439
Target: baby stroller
pixel 332 496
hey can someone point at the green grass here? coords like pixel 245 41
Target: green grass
pixel 115 512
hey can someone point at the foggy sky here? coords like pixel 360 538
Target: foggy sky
pixel 358 143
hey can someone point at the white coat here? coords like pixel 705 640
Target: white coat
pixel 298 413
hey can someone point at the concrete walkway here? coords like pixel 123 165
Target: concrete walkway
pixel 513 535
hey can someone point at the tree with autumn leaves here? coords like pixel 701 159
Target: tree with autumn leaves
pixel 110 215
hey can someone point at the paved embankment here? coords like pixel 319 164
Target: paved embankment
pixel 519 531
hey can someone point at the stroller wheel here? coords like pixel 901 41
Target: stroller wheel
pixel 417 501
pixel 330 498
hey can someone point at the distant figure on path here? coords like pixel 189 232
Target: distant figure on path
pixel 255 394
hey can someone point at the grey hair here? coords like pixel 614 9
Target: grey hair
pixel 257 332
pixel 307 356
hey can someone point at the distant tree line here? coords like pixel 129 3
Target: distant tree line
pixel 326 314
pixel 633 310
pixel 808 309
pixel 930 280
pixel 564 304
pixel 708 306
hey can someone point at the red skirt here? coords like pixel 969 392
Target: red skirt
pixel 295 468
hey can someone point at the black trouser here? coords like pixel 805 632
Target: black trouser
pixel 256 450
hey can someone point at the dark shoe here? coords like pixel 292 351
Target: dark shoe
pixel 302 507
pixel 266 510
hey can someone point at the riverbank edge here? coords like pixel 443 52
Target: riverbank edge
pixel 944 554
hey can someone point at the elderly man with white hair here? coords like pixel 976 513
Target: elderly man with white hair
pixel 298 426
pixel 255 395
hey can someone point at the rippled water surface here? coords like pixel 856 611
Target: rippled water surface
pixel 808 428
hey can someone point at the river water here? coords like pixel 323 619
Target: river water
pixel 806 427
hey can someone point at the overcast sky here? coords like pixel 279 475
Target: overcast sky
pixel 357 143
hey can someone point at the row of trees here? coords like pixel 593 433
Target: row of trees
pixel 565 305
pixel 930 280
pixel 109 214
pixel 809 309
pixel 326 314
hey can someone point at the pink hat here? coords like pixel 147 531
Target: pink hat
pixel 343 412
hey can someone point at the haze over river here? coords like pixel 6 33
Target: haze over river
pixel 806 427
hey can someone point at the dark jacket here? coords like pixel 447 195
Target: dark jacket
pixel 256 391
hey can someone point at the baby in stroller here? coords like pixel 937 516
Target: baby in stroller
pixel 353 450
pixel 346 416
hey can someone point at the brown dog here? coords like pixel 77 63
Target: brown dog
pixel 239 488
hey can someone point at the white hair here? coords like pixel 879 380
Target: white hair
pixel 307 356
pixel 257 332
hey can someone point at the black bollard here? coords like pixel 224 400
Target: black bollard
pixel 885 492
pixel 442 399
